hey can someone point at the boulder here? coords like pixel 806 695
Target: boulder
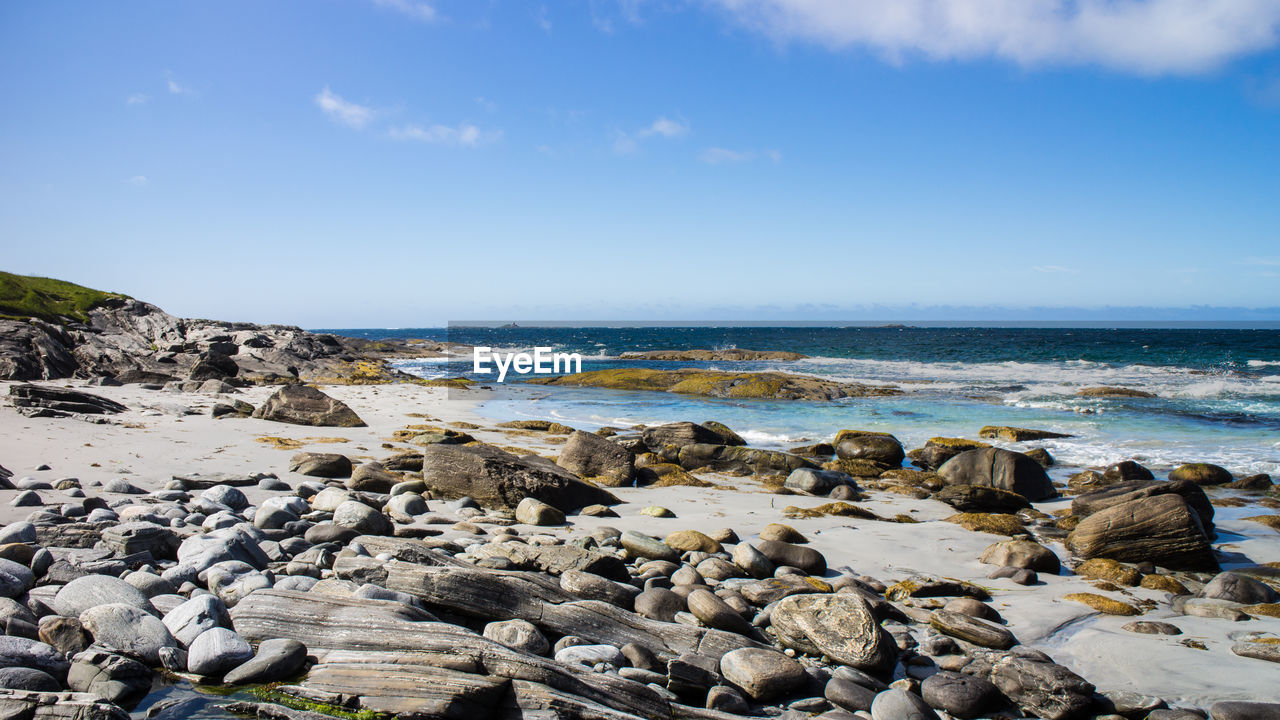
pixel 192 618
pixel 27 653
pixel 898 704
pixel 532 511
pixel 216 651
pixel 716 613
pixel 692 541
pixel 874 446
pixel 519 635
pixel 678 434
pixel 90 591
pixel 1017 434
pixel 972 630
pixel 741 460
pixel 727 436
pixel 127 630
pixel 962 696
pixel 372 477
pixel 1022 554
pixel 1043 689
pixel 1092 502
pixel 495 478
pixel 1236 587
pixel 645 546
pixel 783 553
pixel 998 468
pixel 941 449
pixel 1244 711
pixel 305 405
pixel 52 401
pixel 812 481
pixel 1201 474
pixel 362 519
pixel 1127 471
pixel 762 674
pixel 589 455
pixel 20 678
pixel 325 465
pixel 276 659
pixel 841 626
pixel 1162 529
pixel 979 498
pixel 114 678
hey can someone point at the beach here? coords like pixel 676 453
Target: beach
pixel 166 435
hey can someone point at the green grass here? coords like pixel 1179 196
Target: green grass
pixel 22 296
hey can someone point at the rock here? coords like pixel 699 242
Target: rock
pixel 113 678
pixel 362 519
pixel 1022 554
pixel 727 436
pixel 21 678
pixel 372 477
pixel 1244 711
pixel 840 626
pixel 591 655
pixel 1099 500
pixel 1201 474
pixel 1239 588
pixel 64 634
pixel 998 468
pixel 762 674
pixel 27 653
pixel 1126 471
pixel 898 704
pixel 90 591
pixel 644 546
pixel 728 700
pixel 1150 627
pixel 590 455
pixel 963 696
pixel 659 604
pixel 782 533
pixel 1162 529
pixel 715 613
pixel 136 537
pixel 977 498
pixel 692 541
pixel 326 465
pixel 532 511
pixel 51 401
pixel 1103 604
pixel 128 630
pixel 971 629
pixel 406 506
pixel 495 478
pixel 277 659
pixel 781 553
pixel 1044 689
pixel 121 486
pixel 874 446
pixel 973 608
pixel 590 586
pixel 305 405
pixel 1261 481
pixel 738 460
pixel 657 511
pixel 1109 570
pixel 812 481
pixel 849 695
pixel 679 434
pixel 752 561
pixel 216 651
pixel 518 635
pixel 1016 434
pixel 993 523
pixel 1252 648
pixel 1041 456
pixel 192 618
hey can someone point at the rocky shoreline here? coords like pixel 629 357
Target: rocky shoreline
pixel 533 570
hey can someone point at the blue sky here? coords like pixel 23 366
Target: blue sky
pixel 340 163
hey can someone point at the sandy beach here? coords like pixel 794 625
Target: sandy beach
pixel 166 434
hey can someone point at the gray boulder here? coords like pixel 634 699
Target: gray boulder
pixel 193 617
pixel 496 478
pixel 897 704
pixel 114 678
pixel 589 455
pixel 998 468
pixel 762 674
pixel 305 405
pixel 90 591
pixel 128 630
pixel 216 651
pixel 276 659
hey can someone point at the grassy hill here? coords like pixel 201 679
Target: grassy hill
pixel 22 296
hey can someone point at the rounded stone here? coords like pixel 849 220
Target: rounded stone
pixel 216 651
pixel 127 630
pixel 762 674
pixel 898 704
pixel 90 591
pixel 518 635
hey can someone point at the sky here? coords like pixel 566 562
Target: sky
pixel 407 163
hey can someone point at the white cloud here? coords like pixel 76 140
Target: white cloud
pixel 343 111
pixel 1141 36
pixel 666 128
pixel 663 127
pixel 421 11
pixel 137 99
pixel 462 135
pixel 177 88
pixel 725 156
pixel 1052 269
pixel 138 180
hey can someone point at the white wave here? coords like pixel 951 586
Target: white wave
pixel 1263 363
pixel 761 437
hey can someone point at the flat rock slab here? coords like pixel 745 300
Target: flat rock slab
pixel 409 691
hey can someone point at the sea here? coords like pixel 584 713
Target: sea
pixel 1217 389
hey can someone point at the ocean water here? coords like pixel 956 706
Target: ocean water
pixel 1218 390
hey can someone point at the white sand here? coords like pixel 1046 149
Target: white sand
pixel 1094 646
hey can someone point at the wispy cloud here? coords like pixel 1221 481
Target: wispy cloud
pixel 343 111
pixel 177 88
pixel 725 156
pixel 663 127
pixel 1150 37
pixel 487 104
pixel 543 18
pixel 137 180
pixel 416 9
pixel 460 136
pixel 137 99
pixel 1052 269
pixel 1263 261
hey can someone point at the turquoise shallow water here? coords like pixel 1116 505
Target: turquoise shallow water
pixel 1218 390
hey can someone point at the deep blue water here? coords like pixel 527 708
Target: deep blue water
pixel 1218 389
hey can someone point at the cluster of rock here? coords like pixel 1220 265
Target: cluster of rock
pixel 129 341
pixel 721 384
